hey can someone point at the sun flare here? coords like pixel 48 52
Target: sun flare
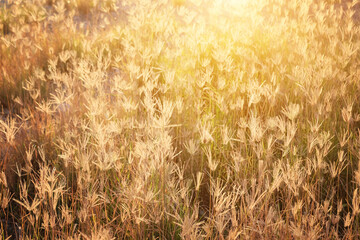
pixel 237 3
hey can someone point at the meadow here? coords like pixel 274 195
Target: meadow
pixel 179 119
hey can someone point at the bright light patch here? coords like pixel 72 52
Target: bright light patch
pixel 236 4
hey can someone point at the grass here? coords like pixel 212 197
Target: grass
pixel 179 119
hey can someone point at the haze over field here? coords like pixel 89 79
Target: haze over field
pixel 179 119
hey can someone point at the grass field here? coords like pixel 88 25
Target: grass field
pixel 179 119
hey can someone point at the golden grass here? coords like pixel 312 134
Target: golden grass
pixel 144 119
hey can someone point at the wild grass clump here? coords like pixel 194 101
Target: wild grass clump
pixel 179 119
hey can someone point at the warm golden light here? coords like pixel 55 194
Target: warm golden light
pixel 233 8
pixel 179 119
pixel 237 3
pixel 234 4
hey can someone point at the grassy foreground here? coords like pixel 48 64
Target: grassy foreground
pixel 179 119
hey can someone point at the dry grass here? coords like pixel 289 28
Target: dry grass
pixel 170 119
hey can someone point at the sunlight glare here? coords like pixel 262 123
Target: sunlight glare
pixel 235 7
pixel 236 4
